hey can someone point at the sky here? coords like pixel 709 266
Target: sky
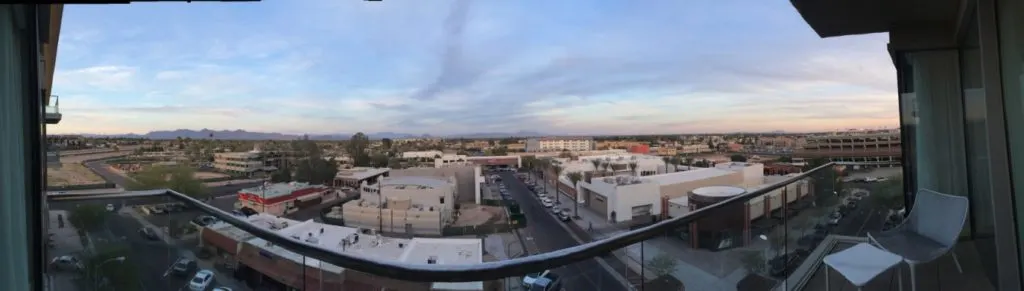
pixel 464 66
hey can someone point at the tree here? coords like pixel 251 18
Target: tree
pixel 282 175
pixel 632 168
pixel 178 178
pixel 356 148
pixel 557 170
pixel 785 159
pixel 386 143
pixel 88 217
pixel 662 265
pixel 605 166
pixel 666 160
pixel 596 163
pixel 112 268
pixel 738 158
pixel 888 194
pixel 575 178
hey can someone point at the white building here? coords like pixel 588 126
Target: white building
pixel 554 144
pixel 646 165
pixel 287 265
pixel 408 205
pixel 353 177
pixel 422 154
pixel 644 196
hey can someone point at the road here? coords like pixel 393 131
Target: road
pixel 151 259
pixel 544 234
pixel 865 218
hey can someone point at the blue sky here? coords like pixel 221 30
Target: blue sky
pixel 444 67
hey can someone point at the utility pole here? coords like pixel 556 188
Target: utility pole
pixel 380 204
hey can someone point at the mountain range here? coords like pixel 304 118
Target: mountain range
pixel 251 135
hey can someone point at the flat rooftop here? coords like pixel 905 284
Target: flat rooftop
pixel 406 181
pixel 360 173
pixel 277 190
pixel 352 241
pixel 734 166
pixel 688 176
pixel 261 220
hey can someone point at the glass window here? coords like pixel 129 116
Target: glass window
pixel 1011 54
pixel 975 124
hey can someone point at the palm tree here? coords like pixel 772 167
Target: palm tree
pixel 575 178
pixel 632 168
pixel 667 160
pixel 596 163
pixel 557 170
pixel 689 162
pixel 605 166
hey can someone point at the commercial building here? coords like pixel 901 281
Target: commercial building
pixel 240 163
pixel 354 177
pixel 555 144
pixel 486 162
pixel 469 179
pixel 262 263
pixel 627 197
pixel 866 147
pixel 283 198
pixel 406 205
pixel 421 154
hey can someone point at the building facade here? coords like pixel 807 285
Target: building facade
pixel 554 144
pixel 283 198
pixel 877 148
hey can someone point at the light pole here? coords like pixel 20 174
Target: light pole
pixel 95 278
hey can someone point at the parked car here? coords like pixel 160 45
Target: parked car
pixel 67 262
pixel 551 282
pixel 201 280
pixel 556 211
pixel 563 216
pixel 183 266
pixel 548 204
pixel 532 277
pixel 148 233
pixel 222 289
pixel 110 207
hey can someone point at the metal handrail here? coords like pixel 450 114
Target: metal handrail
pixel 451 273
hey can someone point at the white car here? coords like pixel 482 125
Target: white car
pixel 548 204
pixel 110 207
pixel 530 278
pixel 222 289
pixel 201 280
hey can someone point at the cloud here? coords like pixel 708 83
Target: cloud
pixel 455 66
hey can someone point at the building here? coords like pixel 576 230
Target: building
pixel 265 264
pixel 695 149
pixel 403 205
pixel 283 198
pixel 866 147
pixel 486 162
pixel 422 154
pixel 239 163
pixel 354 177
pixel 469 179
pixel 555 144
pixel 642 149
pixel 617 144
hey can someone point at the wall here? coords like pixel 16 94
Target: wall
pixel 628 196
pixel 467 179
pixel 394 220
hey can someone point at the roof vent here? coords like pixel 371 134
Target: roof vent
pixel 432 260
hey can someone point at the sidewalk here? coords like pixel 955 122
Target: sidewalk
pixel 225 280
pixel 65 242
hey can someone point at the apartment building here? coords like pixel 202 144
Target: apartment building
pixel 872 148
pixel 617 144
pixel 554 144
pixel 264 264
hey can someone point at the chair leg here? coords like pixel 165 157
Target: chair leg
pixel 957 261
pixel 899 277
pixel 913 277
pixel 828 285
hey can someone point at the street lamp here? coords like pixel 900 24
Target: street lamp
pixel 96 278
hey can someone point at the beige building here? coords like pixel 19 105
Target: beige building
pixel 239 163
pixel 406 205
pixel 554 144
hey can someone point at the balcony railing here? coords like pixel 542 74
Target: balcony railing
pixel 751 241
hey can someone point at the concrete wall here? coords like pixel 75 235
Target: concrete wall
pixel 628 196
pixel 468 179
pixel 394 220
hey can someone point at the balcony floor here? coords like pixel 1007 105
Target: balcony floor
pixel 940 275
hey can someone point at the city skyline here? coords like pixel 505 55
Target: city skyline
pixel 455 67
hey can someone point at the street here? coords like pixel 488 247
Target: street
pixel 150 258
pixel 544 234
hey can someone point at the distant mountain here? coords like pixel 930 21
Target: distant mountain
pixel 249 135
